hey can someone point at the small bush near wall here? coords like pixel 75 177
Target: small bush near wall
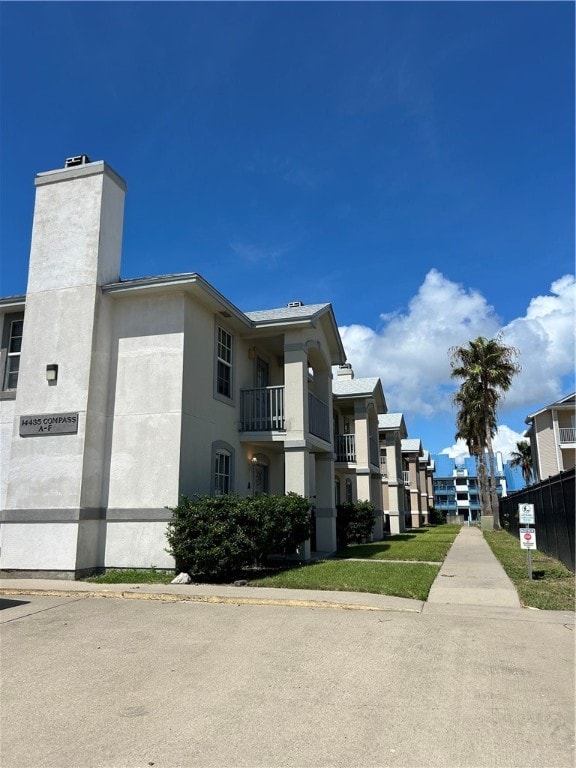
pixel 437 516
pixel 219 536
pixel 354 522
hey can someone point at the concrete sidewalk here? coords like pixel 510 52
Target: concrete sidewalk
pixel 470 576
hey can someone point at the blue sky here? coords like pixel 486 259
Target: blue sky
pixel 412 163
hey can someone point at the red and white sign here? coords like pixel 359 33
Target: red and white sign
pixel 527 538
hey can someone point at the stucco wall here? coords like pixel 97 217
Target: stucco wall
pixel 146 402
pixel 7 408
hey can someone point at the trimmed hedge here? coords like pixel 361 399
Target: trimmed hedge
pixel 219 536
pixel 354 522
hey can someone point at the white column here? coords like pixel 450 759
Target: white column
pixel 325 503
pixel 297 480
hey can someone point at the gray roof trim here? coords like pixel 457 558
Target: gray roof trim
pixel 12 301
pixel 564 402
pixel 305 315
pixel 175 282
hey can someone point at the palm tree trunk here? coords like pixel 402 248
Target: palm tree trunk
pixel 482 484
pixel 494 503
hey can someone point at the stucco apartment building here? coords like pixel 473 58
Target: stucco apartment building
pixel 552 433
pixel 120 395
pixel 358 403
pixel 407 471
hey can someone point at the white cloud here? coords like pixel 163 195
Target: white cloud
pixel 410 351
pixel 257 254
pixel 545 338
pixel 458 450
pixel 504 442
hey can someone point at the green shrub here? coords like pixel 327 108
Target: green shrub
pixel 218 536
pixel 437 516
pixel 354 522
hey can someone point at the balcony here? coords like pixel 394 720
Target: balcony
pixel 345 448
pixel 262 409
pixel 567 434
pixel 406 477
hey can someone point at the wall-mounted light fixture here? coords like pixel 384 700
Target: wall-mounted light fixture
pixel 251 353
pixel 260 458
pixel 52 373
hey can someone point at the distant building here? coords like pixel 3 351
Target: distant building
pixel 455 484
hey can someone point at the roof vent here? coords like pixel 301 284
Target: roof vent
pixel 71 162
pixel 293 304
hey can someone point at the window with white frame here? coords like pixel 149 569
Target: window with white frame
pixel 12 345
pixel 348 486
pixel 224 363
pixel 222 472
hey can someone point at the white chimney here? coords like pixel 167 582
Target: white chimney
pixel 345 372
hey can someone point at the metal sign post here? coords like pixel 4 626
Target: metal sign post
pixel 528 541
pixel 527 535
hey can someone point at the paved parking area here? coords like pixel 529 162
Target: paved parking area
pixel 108 682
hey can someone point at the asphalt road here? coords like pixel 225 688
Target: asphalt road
pixel 112 682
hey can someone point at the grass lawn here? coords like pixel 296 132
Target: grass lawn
pixel 552 586
pixel 418 544
pixel 406 579
pixel 132 576
pixel 411 580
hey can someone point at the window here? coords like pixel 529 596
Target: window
pixel 224 364
pixel 11 347
pixel 222 480
pixel 348 489
pixel 462 496
pixel 222 473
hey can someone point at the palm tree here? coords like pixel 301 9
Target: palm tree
pixel 471 425
pixel 487 367
pixel 522 457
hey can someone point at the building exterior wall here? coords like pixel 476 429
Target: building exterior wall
pixel 146 394
pixel 546 445
pixel 137 364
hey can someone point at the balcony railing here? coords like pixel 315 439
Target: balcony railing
pixel 345 447
pixel 374 452
pixel 318 417
pixel 262 409
pixel 567 434
pixel 406 477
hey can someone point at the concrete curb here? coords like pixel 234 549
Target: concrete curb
pixel 169 597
